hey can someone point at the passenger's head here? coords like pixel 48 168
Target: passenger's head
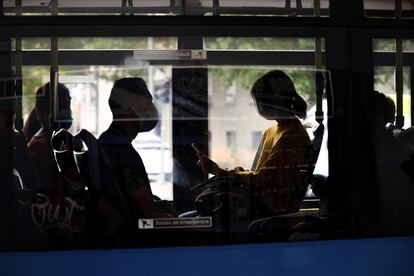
pixel 31 125
pixel 276 97
pixel 383 109
pixel 63 117
pixel 131 103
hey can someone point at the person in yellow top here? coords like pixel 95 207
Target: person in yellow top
pixel 283 151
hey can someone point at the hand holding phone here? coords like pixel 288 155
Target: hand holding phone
pixel 197 149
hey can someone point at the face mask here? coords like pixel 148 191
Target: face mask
pixel 148 119
pixel 64 119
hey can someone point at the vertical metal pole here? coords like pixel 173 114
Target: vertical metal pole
pixel 54 7
pixel 123 7
pixel 318 65
pixel 131 7
pixel 1 8
pixel 317 7
pixel 183 7
pixel 216 7
pixel 19 75
pixel 399 73
pixel 172 4
pixel 190 117
pixel 287 4
pixel 349 61
pixel 177 6
pixel 54 71
pixel 398 8
pixel 412 94
pixel 7 211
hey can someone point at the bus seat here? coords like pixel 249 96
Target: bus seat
pixel 95 170
pixel 27 175
pixel 282 226
pixel 26 235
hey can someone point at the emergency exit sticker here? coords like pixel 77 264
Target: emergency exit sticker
pixel 197 54
pixel 165 223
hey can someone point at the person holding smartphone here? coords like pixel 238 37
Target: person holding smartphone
pixel 283 150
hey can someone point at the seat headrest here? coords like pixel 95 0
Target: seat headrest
pixel 61 143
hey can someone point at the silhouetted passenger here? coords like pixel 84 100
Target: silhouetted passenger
pixel 396 194
pixel 133 112
pixel 39 146
pixel 283 148
pixel 82 214
pixel 31 126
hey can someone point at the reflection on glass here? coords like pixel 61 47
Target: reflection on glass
pixel 408 45
pixel 237 124
pixel 90 87
pixel 79 7
pixel 165 7
pixel 383 45
pixel 121 43
pixel 388 45
pixel 102 43
pixel 259 43
pixel 384 82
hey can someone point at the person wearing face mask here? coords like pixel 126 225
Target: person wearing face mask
pixel 39 146
pixel 283 150
pixel 133 112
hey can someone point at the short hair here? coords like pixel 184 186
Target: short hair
pixel 43 98
pixel 384 107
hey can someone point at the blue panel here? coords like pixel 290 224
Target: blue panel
pixel 392 256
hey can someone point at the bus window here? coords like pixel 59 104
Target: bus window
pixel 203 104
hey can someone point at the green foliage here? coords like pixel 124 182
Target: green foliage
pixel 32 80
pixel 245 77
pixel 259 43
pixel 112 43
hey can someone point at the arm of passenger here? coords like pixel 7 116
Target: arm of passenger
pixel 144 204
pixel 286 160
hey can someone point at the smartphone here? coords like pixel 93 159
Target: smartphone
pixel 197 149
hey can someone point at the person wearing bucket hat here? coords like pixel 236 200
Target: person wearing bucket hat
pixel 133 112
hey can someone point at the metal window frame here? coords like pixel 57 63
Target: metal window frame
pixel 348 56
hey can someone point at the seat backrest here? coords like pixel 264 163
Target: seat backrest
pixel 23 165
pixel 95 169
pixel 315 147
pixel 313 154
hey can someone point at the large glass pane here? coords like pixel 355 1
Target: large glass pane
pixel 390 128
pixel 120 43
pixel 89 7
pixel 122 164
pixel 235 123
pixel 267 7
pixel 90 89
pixel 165 7
pixel 259 43
pixel 388 45
pixel 384 82
pixel 102 43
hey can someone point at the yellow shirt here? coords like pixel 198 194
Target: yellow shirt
pixel 283 153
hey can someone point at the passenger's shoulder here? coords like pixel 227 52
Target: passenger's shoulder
pixel 298 133
pixel 270 130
